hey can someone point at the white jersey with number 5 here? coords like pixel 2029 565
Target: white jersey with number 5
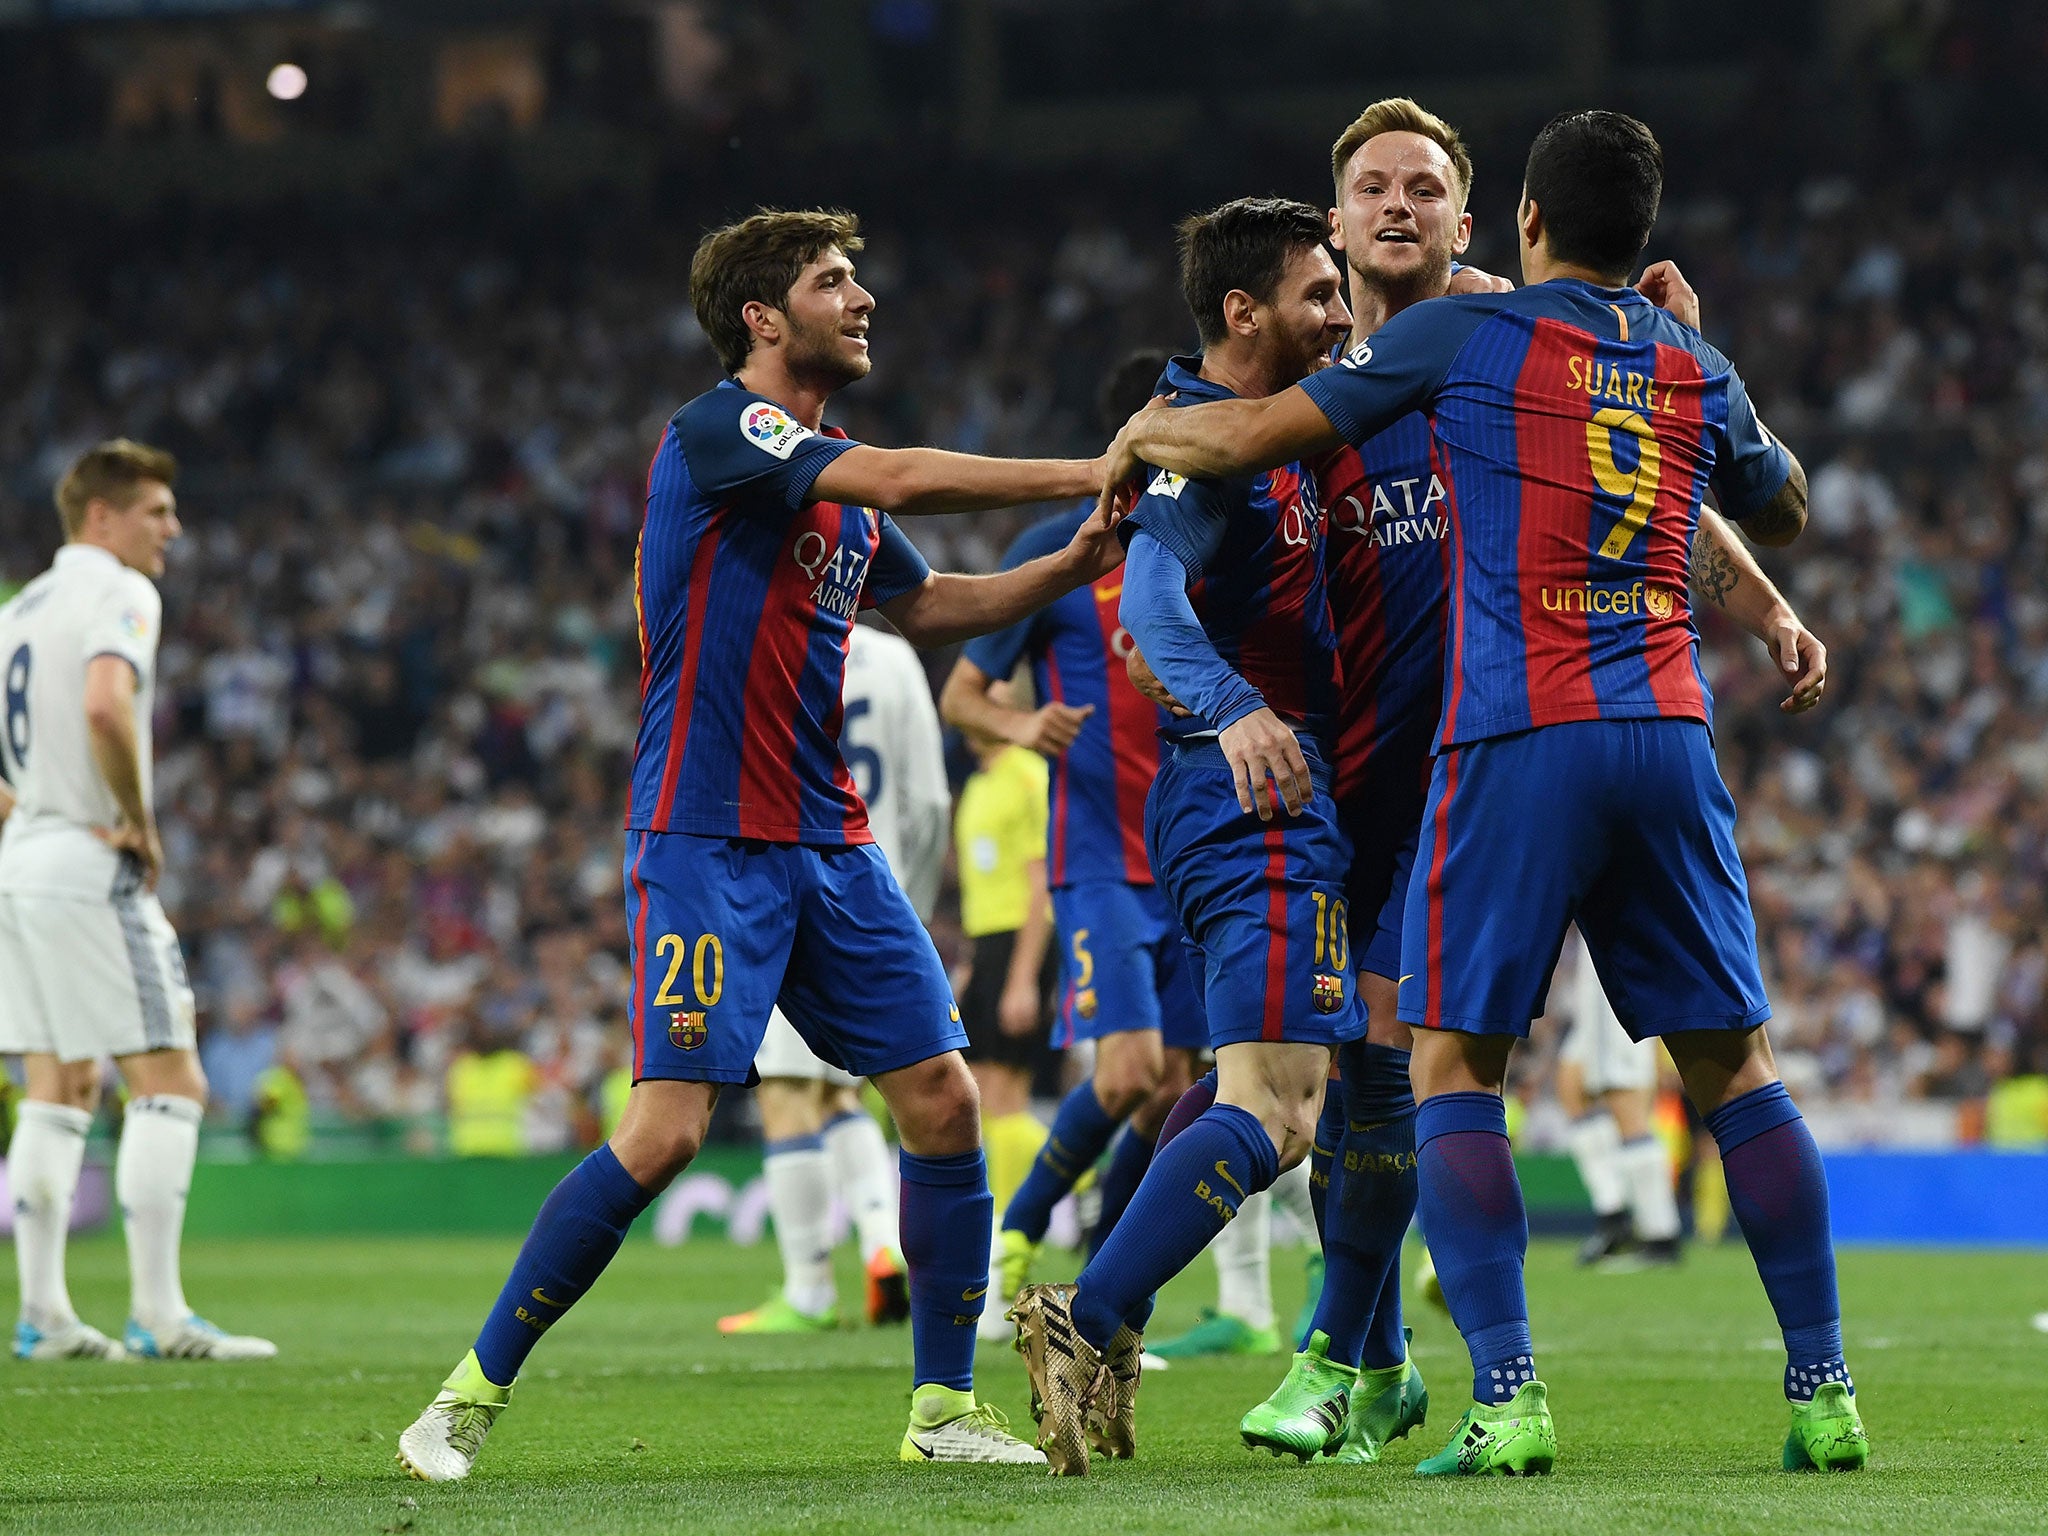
pixel 87 604
pixel 889 738
pixel 892 747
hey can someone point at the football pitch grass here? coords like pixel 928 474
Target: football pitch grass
pixel 634 1415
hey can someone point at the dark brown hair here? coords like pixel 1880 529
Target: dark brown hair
pixel 758 260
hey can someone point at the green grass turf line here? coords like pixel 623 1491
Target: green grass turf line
pixel 635 1416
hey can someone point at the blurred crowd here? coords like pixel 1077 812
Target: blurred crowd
pixel 398 683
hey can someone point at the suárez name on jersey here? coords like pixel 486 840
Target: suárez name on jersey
pixel 836 572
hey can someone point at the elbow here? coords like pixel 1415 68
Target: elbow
pixel 898 487
pixel 104 721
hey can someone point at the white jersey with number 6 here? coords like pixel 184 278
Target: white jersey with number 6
pixel 891 743
pixel 89 965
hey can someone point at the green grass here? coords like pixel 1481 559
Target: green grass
pixel 635 1415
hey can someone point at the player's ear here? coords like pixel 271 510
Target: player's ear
pixel 1529 216
pixel 1464 236
pixel 763 321
pixel 1240 313
pixel 1337 229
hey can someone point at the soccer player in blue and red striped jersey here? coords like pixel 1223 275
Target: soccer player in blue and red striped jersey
pixel 1125 980
pixel 1224 592
pixel 751 876
pixel 1575 778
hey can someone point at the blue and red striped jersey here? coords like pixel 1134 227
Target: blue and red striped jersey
pixel 1388 523
pixel 1077 647
pixel 1253 549
pixel 746 591
pixel 1580 426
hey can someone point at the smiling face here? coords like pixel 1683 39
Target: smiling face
pixel 1401 219
pixel 825 322
pixel 1304 319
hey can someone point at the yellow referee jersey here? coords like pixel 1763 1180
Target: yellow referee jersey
pixel 997 831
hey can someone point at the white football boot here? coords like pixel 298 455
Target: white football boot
pixel 194 1339
pixel 441 1445
pixel 69 1341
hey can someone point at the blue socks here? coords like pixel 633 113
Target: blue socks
pixel 947 1213
pixel 1192 1189
pixel 1080 1132
pixel 1119 1183
pixel 1322 1152
pixel 1779 1194
pixel 579 1228
pixel 1471 1203
pixel 1372 1195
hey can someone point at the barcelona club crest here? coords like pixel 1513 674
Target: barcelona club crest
pixel 1084 1002
pixel 687 1031
pixel 1329 993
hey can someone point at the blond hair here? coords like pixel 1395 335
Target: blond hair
pixel 110 471
pixel 1398 114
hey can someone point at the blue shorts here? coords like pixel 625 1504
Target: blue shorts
pixel 1123 966
pixel 1623 826
pixel 722 929
pixel 1262 900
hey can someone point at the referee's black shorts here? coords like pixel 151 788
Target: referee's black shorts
pixel 981 1005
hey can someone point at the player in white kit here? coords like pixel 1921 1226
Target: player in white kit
pixel 1608 1084
pixel 820 1142
pixel 89 966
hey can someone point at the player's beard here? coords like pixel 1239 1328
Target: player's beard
pixel 818 354
pixel 1400 289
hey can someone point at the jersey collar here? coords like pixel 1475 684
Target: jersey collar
pixel 1183 379
pixel 85 554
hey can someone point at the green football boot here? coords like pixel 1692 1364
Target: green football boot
pixel 776 1315
pixel 1218 1333
pixel 1305 1415
pixel 1305 1319
pixel 1385 1405
pixel 1827 1433
pixel 1510 1439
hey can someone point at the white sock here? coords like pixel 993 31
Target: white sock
pixel 42 1176
pixel 1646 1166
pixel 799 1179
pixel 1244 1282
pixel 152 1175
pixel 1290 1196
pixel 866 1175
pixel 1596 1150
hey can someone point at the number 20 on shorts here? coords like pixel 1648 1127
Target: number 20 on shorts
pixel 706 960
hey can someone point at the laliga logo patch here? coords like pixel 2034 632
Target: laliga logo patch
pixel 1359 355
pixel 1328 994
pixel 687 1031
pixel 1167 483
pixel 133 623
pixel 770 428
pixel 1657 600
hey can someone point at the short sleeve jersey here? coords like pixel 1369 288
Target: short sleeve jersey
pixel 1253 548
pixel 1076 646
pixel 746 590
pixel 85 606
pixel 1387 509
pixel 1581 426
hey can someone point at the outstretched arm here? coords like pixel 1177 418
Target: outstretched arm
pixel 968 703
pixel 921 482
pixel 1221 439
pixel 949 607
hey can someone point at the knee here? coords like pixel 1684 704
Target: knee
pixel 936 1105
pixel 1294 1132
pixel 1121 1086
pixel 655 1154
pixel 77 1086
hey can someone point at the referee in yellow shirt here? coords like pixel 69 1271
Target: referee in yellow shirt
pixel 999 840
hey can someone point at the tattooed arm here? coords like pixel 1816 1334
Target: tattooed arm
pixel 1725 574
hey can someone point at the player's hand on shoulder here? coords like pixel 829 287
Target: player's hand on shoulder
pixel 1146 681
pixel 1665 286
pixel 141 843
pixel 1473 280
pixel 1050 729
pixel 1260 748
pixel 1799 652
